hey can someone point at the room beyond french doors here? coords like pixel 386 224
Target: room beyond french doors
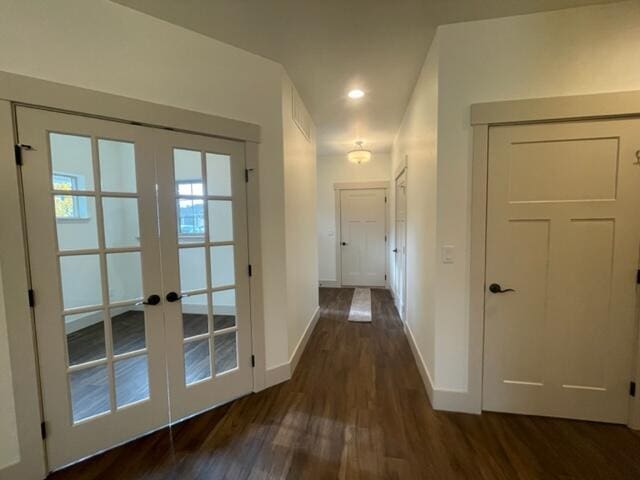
pixel 137 243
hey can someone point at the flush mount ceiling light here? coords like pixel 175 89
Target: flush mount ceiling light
pixel 359 155
pixel 356 93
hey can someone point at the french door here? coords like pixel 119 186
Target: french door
pixel 138 251
pixel 203 225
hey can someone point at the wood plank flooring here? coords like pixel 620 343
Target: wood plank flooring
pixel 356 409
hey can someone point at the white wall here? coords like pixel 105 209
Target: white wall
pixel 300 205
pixel 416 143
pixel 108 47
pixel 334 169
pixel 568 52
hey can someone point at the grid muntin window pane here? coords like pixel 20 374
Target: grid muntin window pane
pixel 103 309
pixel 181 194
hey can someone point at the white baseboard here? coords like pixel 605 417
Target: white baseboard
pixel 283 372
pixel 422 367
pixel 302 343
pixel 441 399
pixel 276 375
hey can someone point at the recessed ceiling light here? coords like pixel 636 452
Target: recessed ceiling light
pixel 356 93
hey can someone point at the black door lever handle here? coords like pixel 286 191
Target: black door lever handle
pixel 173 297
pixel 496 288
pixel 152 300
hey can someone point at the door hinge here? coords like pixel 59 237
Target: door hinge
pixel 250 270
pixel 32 297
pixel 632 389
pixel 638 277
pixel 246 174
pixel 385 238
pixel 18 152
pixel 385 199
pixel 253 361
pixel 43 430
pixel 385 277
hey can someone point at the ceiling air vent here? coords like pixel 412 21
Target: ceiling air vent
pixel 300 115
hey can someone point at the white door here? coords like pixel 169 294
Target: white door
pixel 202 199
pixel 90 201
pixel 563 232
pixel 363 237
pixel 400 249
pixel 138 254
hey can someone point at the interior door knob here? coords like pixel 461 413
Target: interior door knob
pixel 496 288
pixel 173 297
pixel 152 300
pixel 344 244
pixel 395 250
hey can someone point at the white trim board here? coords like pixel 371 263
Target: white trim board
pixel 440 399
pixel 283 372
pixel 30 91
pixel 361 185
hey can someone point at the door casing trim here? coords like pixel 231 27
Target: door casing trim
pixel 513 112
pixel 19 90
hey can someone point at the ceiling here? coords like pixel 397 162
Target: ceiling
pixel 331 46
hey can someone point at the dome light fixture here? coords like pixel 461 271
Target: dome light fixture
pixel 359 155
pixel 356 93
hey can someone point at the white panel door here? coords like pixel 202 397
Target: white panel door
pixel 203 220
pixel 563 232
pixel 362 232
pixel 400 249
pixel 89 188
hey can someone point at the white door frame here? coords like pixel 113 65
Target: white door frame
pixel 483 116
pixel 338 187
pixel 22 90
pixel 402 170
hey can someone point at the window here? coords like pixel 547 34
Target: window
pixel 190 211
pixel 69 207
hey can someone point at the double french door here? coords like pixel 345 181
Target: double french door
pixel 138 253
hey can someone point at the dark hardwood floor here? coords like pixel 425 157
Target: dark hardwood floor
pixel 356 409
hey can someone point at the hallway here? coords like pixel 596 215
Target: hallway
pixel 356 409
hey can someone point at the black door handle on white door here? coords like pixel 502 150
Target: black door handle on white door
pixel 173 297
pixel 152 300
pixel 496 288
pixel 344 244
pixel 395 250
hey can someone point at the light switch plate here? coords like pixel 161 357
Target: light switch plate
pixel 448 254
